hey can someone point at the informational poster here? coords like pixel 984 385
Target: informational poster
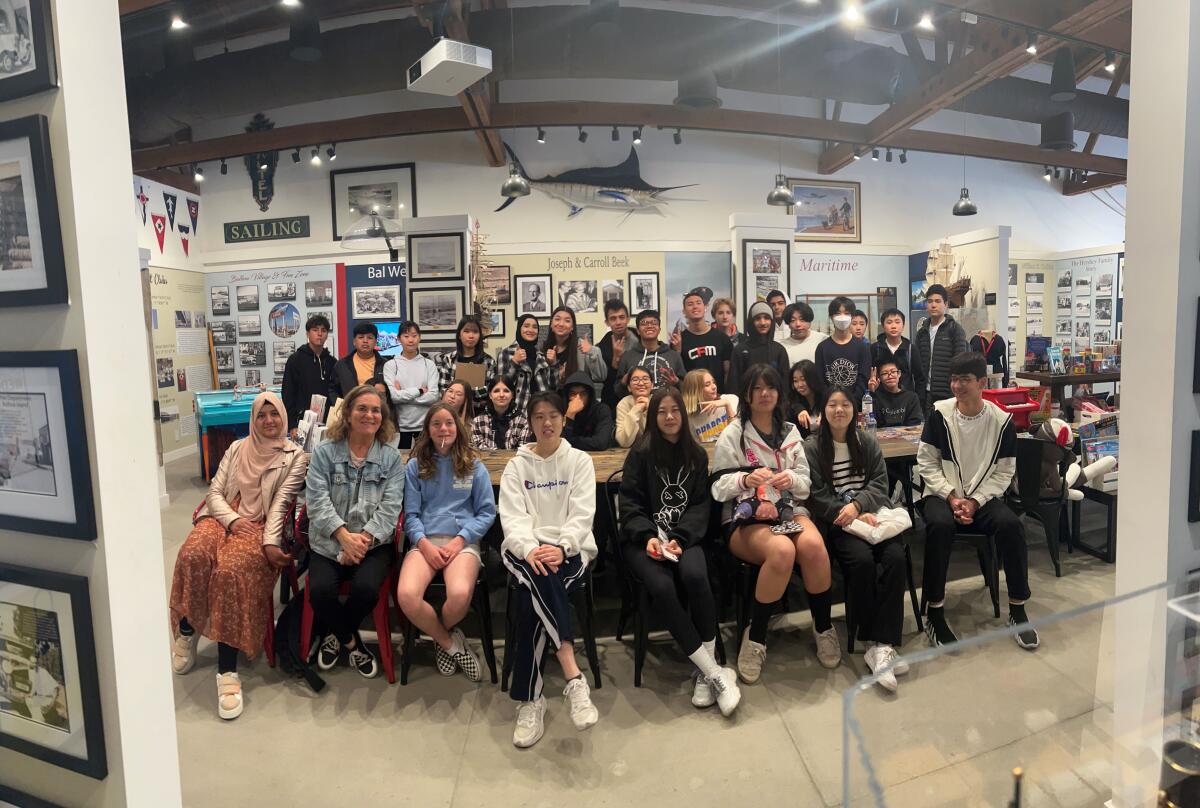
pixel 180 344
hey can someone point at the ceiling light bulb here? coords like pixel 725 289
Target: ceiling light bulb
pixel 1031 43
pixel 1048 174
pixel 332 152
pixel 541 138
pixel 926 22
pixel 290 3
pixel 1110 62
pixel 263 166
pixel 875 155
pixel 177 23
pixel 316 156
pixel 853 14
pixel 857 156
pixel 637 136
pixel 198 175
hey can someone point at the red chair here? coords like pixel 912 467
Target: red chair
pixel 381 614
pixel 290 518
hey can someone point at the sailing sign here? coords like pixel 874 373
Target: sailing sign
pixel 266 229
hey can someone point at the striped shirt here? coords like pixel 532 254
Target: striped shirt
pixel 844 479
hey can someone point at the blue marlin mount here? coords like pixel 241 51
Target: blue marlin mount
pixel 620 187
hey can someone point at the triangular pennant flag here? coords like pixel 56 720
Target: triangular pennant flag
pixel 160 228
pixel 183 234
pixel 194 212
pixel 169 200
pixel 143 199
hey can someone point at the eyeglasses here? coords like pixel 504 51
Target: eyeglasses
pixel 888 373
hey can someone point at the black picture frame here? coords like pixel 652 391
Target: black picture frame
pixel 544 282
pixel 785 271
pixel 36 130
pixel 44 75
pixel 344 172
pixel 23 800
pixel 1194 479
pixel 414 270
pixel 1195 353
pixel 95 765
pixel 434 331
pixel 84 526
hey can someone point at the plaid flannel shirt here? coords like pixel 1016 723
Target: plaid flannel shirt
pixel 447 366
pixel 483 431
pixel 524 382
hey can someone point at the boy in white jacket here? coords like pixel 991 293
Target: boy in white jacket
pixel 412 382
pixel 547 506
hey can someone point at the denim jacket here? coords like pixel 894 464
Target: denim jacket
pixel 332 503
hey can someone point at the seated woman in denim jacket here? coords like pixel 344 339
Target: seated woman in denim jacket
pixel 355 492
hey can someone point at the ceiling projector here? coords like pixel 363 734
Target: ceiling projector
pixel 449 67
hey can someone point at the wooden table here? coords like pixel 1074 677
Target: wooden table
pixel 613 460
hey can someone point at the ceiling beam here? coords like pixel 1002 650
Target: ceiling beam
pixel 999 51
pixel 572 114
pixel 1094 182
pixel 165 176
pixel 1119 77
pixel 133 6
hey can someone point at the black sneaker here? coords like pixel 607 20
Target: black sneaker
pixel 1027 638
pixel 363 661
pixel 938 630
pixel 331 649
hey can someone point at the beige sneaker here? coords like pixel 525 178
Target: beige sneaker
pixel 531 723
pixel 229 695
pixel 750 659
pixel 829 649
pixel 183 652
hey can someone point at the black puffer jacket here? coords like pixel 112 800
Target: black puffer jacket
pixel 951 340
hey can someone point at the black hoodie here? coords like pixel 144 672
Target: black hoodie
pixel 756 349
pixel 304 376
pixel 592 429
pixel 912 374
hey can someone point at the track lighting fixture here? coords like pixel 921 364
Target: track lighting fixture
pixel 316 156
pixel 875 154
pixel 178 23
pixel 1110 62
pixel 224 168
pixel 541 137
pixel 852 15
pixel 904 157
pixel 263 166
pixel 582 135
pixel 888 156
pixel 198 174
pixel 857 156
pixel 1030 43
pixel 616 135
pixel 332 152
pixel 637 136
pixel 1057 173
pixel 678 137
pixel 290 3
pixel 296 155
pixel 926 21
pixel 1048 175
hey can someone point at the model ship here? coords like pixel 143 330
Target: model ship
pixel 941 268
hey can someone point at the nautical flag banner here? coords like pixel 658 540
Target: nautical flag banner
pixel 143 199
pixel 169 201
pixel 160 228
pixel 183 237
pixel 193 206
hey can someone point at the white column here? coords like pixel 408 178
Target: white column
pixel 92 167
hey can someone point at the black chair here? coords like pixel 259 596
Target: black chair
pixel 1050 512
pixel 635 598
pixel 989 566
pixel 584 605
pixel 917 608
pixel 480 604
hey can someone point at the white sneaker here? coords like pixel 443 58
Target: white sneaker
pixel 702 695
pixel 878 657
pixel 750 659
pixel 900 666
pixel 183 652
pixel 578 698
pixel 531 723
pixel 229 695
pixel 829 649
pixel 725 686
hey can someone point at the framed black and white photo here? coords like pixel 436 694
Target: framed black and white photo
pixel 32 268
pixel 224 332
pixel 277 292
pixel 436 257
pixel 219 296
pixel 50 698
pixel 226 357
pixel 585 331
pixel 613 289
pixel 249 325
pixel 437 309
pixel 247 298
pixel 533 294
pixel 578 296
pixel 27 60
pixel 375 302
pixel 45 480
pixel 643 292
pixel 252 354
pixel 766 266
pixel 318 293
pixel 389 191
pixel 495 280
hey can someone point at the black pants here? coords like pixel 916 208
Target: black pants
pixel 875 584
pixel 660 579
pixel 325 577
pixel 542 605
pixel 407 438
pixel 994 519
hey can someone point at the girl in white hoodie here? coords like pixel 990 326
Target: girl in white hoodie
pixel 547 506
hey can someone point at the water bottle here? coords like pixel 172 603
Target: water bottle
pixel 868 409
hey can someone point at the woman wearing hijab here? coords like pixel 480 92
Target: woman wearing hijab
pixel 757 347
pixel 523 365
pixel 229 562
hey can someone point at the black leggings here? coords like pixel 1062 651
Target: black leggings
pixel 227 655
pixel 325 577
pixel 660 579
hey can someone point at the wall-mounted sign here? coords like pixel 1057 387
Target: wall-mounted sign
pixel 266 229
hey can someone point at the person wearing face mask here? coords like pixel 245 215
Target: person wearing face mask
pixel 522 365
pixel 499 424
pixel 631 410
pixel 758 347
pixel 842 360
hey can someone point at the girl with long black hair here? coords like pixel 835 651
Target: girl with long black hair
pixel 804 397
pixel 567 354
pixel 468 350
pixel 665 507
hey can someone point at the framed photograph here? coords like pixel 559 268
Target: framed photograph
pixel 253 378
pixel 496 280
pixel 496 323
pixel 388 341
pixel 826 210
pixel 247 297
pixel 368 302
pixel 578 296
pixel 252 354
pixel 643 292
pixel 32 267
pixel 1194 479
pixel 585 331
pixel 390 191
pixel 1103 310
pixel 318 293
pixel 766 266
pixel 27 63
pixel 50 704
pixel 249 325
pixel 164 368
pixel 612 289
pixel 45 480
pixel 224 332
pixel 227 384
pixel 436 257
pixel 533 294
pixel 438 309
pixel 226 357
pixel 277 292
pixel 19 799
pixel 284 320
pixel 219 297
pixel 1064 280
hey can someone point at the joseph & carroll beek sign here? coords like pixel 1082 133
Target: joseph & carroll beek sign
pixel 266 229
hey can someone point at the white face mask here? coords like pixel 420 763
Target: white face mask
pixel 841 322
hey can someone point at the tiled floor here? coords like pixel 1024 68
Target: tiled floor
pixel 949 737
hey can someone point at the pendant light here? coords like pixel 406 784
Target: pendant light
pixel 515 185
pixel 781 195
pixel 964 206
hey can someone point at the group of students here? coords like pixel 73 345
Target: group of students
pixel 797 481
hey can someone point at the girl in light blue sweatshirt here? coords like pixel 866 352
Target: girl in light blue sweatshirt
pixel 448 509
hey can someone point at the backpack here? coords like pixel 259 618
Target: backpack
pixel 287 644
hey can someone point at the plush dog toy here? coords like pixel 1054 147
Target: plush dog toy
pixel 1058 432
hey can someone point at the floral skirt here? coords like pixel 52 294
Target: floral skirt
pixel 222 584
